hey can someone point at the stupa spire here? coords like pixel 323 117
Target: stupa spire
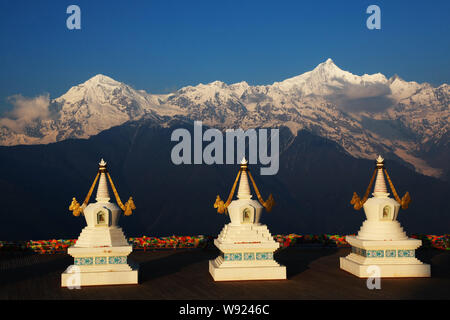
pixel 102 190
pixel 244 187
pixel 380 184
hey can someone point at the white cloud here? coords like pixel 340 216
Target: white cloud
pixel 26 111
pixel 372 97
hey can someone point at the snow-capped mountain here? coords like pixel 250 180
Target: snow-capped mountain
pixel 366 114
pixel 85 110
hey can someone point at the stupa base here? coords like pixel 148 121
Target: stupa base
pixel 239 273
pixel 393 258
pixel 98 278
pixel 100 266
pixel 419 270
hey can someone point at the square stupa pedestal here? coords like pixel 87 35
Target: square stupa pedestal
pixel 244 260
pixel 395 258
pixel 100 266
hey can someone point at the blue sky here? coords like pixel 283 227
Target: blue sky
pixel 160 46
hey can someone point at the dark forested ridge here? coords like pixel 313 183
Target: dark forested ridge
pixel 312 189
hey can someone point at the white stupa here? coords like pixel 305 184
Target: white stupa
pixel 101 251
pixel 381 240
pixel 247 246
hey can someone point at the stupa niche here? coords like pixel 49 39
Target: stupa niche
pixel 381 240
pixel 101 251
pixel 247 246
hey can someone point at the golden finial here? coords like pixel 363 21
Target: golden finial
pixel 380 160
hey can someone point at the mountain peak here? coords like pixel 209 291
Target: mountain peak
pixel 102 79
pixel 395 77
pixel 328 66
pixel 217 83
pixel 100 84
pixel 317 81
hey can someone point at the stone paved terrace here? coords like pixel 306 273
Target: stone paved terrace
pixel 313 273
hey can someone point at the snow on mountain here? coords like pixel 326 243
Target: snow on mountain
pixel 327 79
pixel 366 114
pixel 85 110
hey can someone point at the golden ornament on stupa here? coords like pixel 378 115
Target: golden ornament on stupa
pixel 243 170
pixel 127 208
pixel 379 170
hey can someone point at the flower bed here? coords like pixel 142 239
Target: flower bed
pixel 429 240
pixel 172 242
pixel 176 242
pixel 326 240
pixel 39 246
